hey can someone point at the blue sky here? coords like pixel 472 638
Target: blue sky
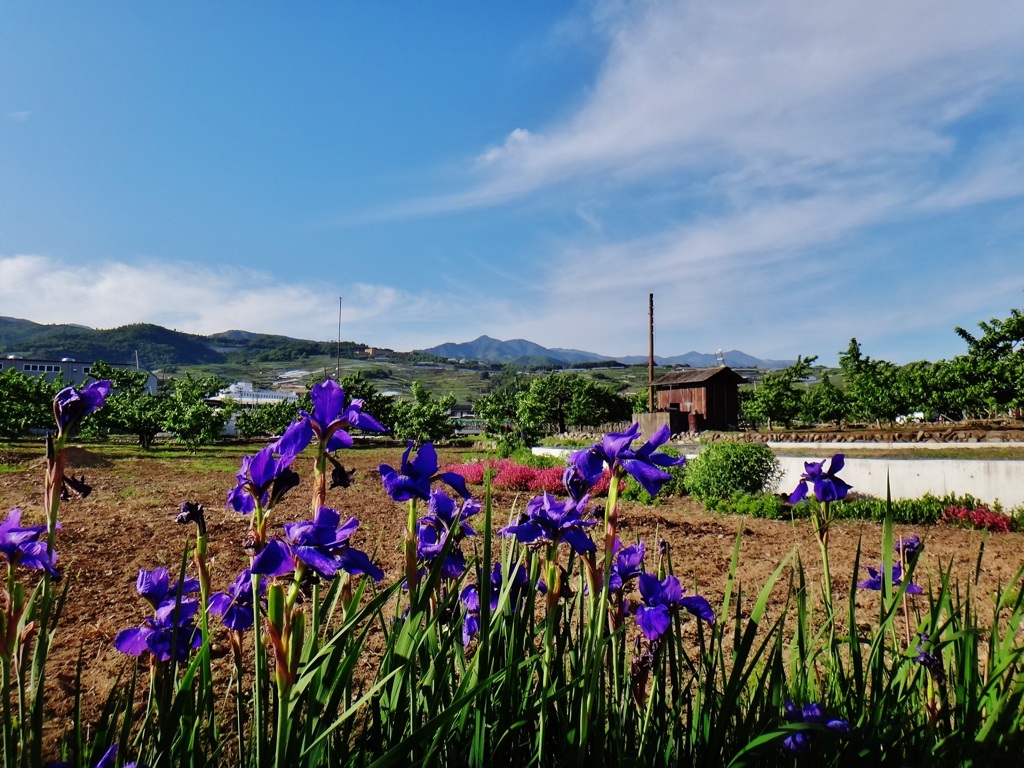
pixel 781 175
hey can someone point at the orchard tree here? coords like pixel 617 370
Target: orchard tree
pixel 512 415
pixel 872 386
pixel 130 407
pixel 189 417
pixel 996 358
pixel 380 406
pixel 776 398
pixel 270 420
pixel 823 403
pixel 424 419
pixel 26 402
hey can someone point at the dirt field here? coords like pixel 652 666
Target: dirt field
pixel 127 523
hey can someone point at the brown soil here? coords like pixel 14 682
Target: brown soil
pixel 127 523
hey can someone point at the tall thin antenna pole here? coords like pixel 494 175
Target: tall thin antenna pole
pixel 338 372
pixel 650 353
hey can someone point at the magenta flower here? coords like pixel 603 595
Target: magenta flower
pixel 827 485
pixel 615 451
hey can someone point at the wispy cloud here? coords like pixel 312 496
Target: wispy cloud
pixel 771 136
pixel 19 117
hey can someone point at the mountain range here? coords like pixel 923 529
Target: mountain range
pixel 157 346
pixel 523 352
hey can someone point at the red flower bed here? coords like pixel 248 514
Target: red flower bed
pixel 509 476
pixel 981 518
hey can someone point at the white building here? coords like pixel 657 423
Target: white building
pixel 244 393
pixel 73 372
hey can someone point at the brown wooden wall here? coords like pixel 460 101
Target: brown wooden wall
pixel 717 403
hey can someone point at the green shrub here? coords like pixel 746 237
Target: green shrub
pixel 722 469
pixel 767 506
pixel 526 458
pixel 926 510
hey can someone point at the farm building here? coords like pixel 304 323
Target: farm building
pixel 707 398
pixel 72 372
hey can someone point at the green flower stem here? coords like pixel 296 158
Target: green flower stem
pixel 821 519
pixel 319 498
pixel 410 552
pixel 259 693
pixel 611 523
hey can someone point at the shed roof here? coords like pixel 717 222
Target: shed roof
pixel 698 376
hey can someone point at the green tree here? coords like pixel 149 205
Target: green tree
pixel 130 408
pixel 271 419
pixel 512 415
pixel 823 403
pixel 424 418
pixel 872 386
pixel 381 407
pixel 26 402
pixel 572 400
pixel 996 358
pixel 776 398
pixel 189 417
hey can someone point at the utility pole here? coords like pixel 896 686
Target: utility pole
pixel 337 373
pixel 650 353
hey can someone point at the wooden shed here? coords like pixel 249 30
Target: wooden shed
pixel 711 395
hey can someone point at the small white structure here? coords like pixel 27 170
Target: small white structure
pixel 244 393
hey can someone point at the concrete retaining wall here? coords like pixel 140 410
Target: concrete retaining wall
pixel 989 481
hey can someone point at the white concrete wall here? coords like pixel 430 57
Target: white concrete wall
pixel 988 481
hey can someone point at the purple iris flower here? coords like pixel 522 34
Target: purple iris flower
pixel 320 544
pixel 71 405
pixel 549 520
pixel 263 477
pixel 21 546
pixel 800 741
pixel 908 547
pixel 435 527
pixel 660 599
pixel 827 485
pixel 614 450
pixel 235 606
pixel 171 629
pixel 470 597
pixel 875 582
pixel 106 761
pixel 930 661
pixel 627 563
pixel 154 586
pixel 576 485
pixel 328 422
pixel 413 481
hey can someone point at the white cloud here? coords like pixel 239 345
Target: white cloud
pixel 19 117
pixel 199 299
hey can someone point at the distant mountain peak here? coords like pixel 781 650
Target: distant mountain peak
pixel 521 351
